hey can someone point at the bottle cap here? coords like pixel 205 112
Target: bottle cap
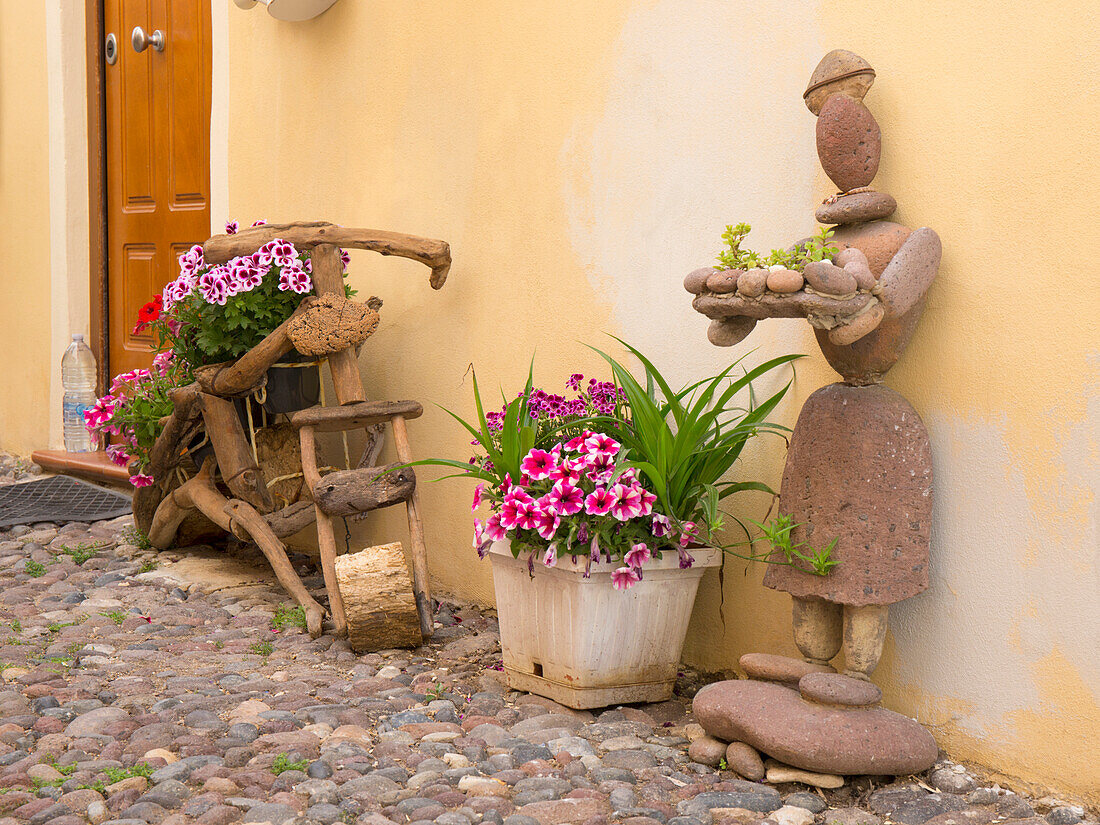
pixel 78 336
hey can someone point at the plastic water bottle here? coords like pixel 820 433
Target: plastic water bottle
pixel 78 379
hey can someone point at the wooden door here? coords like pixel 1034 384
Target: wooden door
pixel 157 125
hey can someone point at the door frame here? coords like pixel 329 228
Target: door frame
pixel 98 304
pixel 97 191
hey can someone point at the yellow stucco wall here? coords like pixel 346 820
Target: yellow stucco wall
pixel 24 215
pixel 580 157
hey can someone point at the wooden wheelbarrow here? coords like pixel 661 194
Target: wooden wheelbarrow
pixel 248 510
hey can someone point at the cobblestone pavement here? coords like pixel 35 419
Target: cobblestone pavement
pixel 125 698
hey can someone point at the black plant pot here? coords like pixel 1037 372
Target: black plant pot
pixel 292 388
pixel 288 389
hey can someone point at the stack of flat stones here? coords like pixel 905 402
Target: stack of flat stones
pixel 792 721
pixel 837 295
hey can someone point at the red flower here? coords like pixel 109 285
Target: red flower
pixel 149 312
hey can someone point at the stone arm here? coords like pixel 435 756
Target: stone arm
pixel 845 300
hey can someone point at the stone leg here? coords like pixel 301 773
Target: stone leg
pixel 817 629
pixel 864 635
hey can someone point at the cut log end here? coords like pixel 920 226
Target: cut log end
pixel 379 605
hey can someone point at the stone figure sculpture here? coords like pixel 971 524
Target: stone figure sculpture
pixel 859 467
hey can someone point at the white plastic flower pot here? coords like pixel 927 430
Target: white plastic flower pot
pixel 585 644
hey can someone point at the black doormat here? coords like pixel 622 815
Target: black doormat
pixel 59 499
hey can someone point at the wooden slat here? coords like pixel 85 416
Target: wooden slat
pixel 354 416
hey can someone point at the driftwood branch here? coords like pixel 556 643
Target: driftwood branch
pixel 242 376
pixel 238 518
pixel 291 519
pixel 256 527
pixel 328 279
pixel 306 235
pixel 350 492
pixel 235 460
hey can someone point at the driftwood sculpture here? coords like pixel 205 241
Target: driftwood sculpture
pixel 230 490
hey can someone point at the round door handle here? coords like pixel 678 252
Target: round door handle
pixel 142 41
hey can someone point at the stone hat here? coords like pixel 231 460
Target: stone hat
pixel 839 71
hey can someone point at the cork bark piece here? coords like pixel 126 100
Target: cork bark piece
pixel 859 470
pixel 331 325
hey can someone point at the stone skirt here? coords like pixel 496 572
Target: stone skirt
pixel 859 470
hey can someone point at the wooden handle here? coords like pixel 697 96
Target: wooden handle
pixel 306 235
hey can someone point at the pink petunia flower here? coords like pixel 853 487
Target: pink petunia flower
pixel 624 578
pixel 569 470
pixel 547 522
pixel 662 525
pixel 537 464
pixel 141 480
pixel 551 557
pixel 566 498
pixel 689 534
pixel 479 532
pixel 515 500
pixel 576 444
pixel 493 528
pixel 599 502
pixel 527 516
pixel 601 444
pixel 478 490
pixel 638 555
pixel 600 468
pixel 686 559
pixel 627 503
pixel 648 500
pixel 118 455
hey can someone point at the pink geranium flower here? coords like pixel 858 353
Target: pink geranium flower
pixel 627 503
pixel 624 578
pixel 598 502
pixel 567 499
pixel 638 555
pixel 538 464
pixel 231 227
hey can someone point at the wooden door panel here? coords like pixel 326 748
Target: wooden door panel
pixel 138 282
pixel 157 146
pixel 188 90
